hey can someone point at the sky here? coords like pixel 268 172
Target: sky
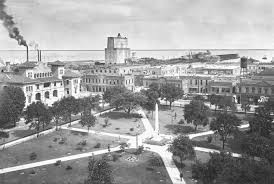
pixel 148 24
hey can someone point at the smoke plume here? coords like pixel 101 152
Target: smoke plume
pixel 10 25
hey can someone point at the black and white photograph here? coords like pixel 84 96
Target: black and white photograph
pixel 136 91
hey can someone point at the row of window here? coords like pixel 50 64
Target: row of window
pixel 40 75
pixel 104 81
pixel 46 94
pixel 259 90
pixel 101 71
pixel 47 84
pixel 196 82
pixel 223 90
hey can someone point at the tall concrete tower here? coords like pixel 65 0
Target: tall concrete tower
pixel 117 50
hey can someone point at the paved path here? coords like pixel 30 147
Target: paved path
pixel 52 161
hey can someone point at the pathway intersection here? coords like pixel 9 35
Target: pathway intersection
pixel 166 156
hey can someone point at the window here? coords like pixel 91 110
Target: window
pixel 29 99
pixel 61 71
pixel 196 82
pixel 54 83
pixel 55 93
pixel 109 71
pixel 201 82
pixel 67 82
pixel 61 83
pixel 67 91
pixel 253 90
pixel 265 90
pixel 47 94
pixel 37 86
pixel 43 74
pixel 34 75
pixel 30 74
pixel 259 90
pixel 46 84
pixel 247 90
pixel 38 96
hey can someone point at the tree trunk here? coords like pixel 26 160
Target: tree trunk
pixel 196 128
pixel 70 120
pixel 88 128
pixel 37 128
pixel 170 102
pixel 181 162
pixel 223 144
pixel 56 124
pixel 128 110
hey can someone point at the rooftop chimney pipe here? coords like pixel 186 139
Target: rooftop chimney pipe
pixel 27 53
pixel 40 55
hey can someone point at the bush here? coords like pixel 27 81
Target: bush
pixel 115 157
pixel 117 128
pixel 58 162
pixel 131 129
pixel 139 150
pixel 84 133
pixel 33 156
pixel 79 148
pixel 209 139
pixel 123 146
pixel 205 144
pixel 98 145
pixel 181 122
pixel 68 167
pixel 63 140
pixel 32 172
pixel 55 139
pixel 82 143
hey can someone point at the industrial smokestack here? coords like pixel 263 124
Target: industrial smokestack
pixel 27 53
pixel 38 57
pixel 9 24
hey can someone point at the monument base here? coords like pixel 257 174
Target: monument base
pixel 156 137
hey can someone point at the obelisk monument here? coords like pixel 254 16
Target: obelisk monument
pixel 156 131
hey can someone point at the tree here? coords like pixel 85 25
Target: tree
pixel 245 103
pixel 225 103
pixel 183 148
pixel 128 100
pixel 56 112
pixel 261 122
pixel 99 172
pixel 255 145
pixel 110 93
pixel 152 95
pixel 225 124
pixel 196 112
pixel 171 93
pixel 87 103
pixel 69 106
pixel 214 100
pixel 87 119
pixel 11 106
pixel 36 114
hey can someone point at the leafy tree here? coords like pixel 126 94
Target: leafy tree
pixel 183 148
pixel 88 103
pixel 128 100
pixel 171 93
pixel 36 114
pixel 245 103
pixel 196 112
pixel 261 122
pixel 225 103
pixel 225 124
pixel 255 145
pixel 269 105
pixel 110 93
pixel 69 106
pixel 56 112
pixel 87 119
pixel 152 95
pixel 11 106
pixel 99 172
pixel 214 100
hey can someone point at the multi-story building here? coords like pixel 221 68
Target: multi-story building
pixel 117 50
pixel 258 87
pixel 39 81
pixel 196 83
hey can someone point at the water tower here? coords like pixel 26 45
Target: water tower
pixel 243 64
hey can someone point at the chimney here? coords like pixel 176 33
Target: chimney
pixel 40 55
pixel 27 53
pixel 8 66
pixel 38 52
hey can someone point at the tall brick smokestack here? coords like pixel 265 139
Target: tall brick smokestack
pixel 10 25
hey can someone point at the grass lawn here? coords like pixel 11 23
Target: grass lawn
pixel 119 123
pixel 56 144
pixel 167 120
pixel 148 169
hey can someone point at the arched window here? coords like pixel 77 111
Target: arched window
pixel 46 94
pixel 38 96
pixel 55 93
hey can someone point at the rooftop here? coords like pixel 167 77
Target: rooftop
pixel 57 63
pixel 72 74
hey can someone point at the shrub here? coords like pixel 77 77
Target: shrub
pixel 57 163
pixel 117 128
pixel 33 156
pixel 205 144
pixel 98 145
pixel 68 167
pixel 63 140
pixel 106 120
pixel 115 157
pixel 181 122
pixel 79 148
pixel 139 150
pixel 55 139
pixel 82 143
pixel 123 146
pixel 84 133
pixel 131 129
pixel 209 139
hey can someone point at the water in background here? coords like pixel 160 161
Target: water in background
pixel 19 56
